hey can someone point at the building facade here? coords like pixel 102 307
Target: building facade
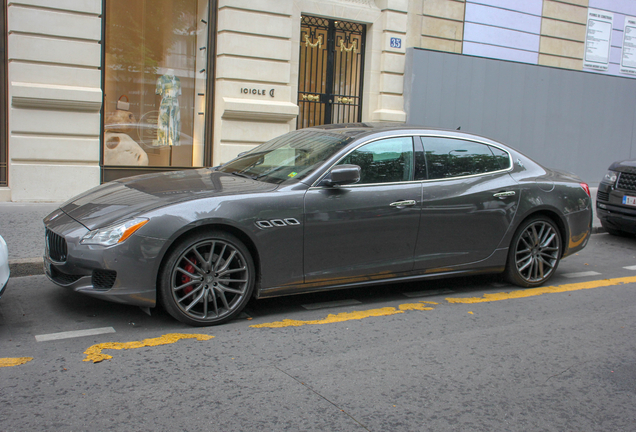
pixel 95 90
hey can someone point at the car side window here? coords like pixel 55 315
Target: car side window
pixel 383 161
pixel 450 157
pixel 502 157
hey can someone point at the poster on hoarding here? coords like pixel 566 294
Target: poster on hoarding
pixel 598 38
pixel 628 55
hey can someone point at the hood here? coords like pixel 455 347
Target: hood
pixel 131 196
pixel 627 166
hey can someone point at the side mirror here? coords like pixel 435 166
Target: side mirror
pixel 342 175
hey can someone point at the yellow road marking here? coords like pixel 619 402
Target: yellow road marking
pixel 8 362
pixel 347 316
pixel 529 292
pixel 94 353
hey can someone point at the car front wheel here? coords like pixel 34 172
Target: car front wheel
pixel 207 279
pixel 534 253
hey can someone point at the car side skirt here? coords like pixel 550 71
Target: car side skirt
pixel 496 263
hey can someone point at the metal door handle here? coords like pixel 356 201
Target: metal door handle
pixel 504 194
pixel 403 203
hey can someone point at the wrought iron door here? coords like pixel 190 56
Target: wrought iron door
pixel 331 71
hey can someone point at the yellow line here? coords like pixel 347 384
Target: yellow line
pixel 347 316
pixel 94 353
pixel 358 315
pixel 8 362
pixel 529 292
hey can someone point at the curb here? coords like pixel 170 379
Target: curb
pixel 26 267
pixel 35 266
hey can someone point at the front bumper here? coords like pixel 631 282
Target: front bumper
pixel 612 213
pixel 124 273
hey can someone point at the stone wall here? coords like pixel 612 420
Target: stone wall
pixel 55 97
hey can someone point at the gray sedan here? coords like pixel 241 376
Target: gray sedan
pixel 317 209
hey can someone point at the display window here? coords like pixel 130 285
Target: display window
pixel 155 83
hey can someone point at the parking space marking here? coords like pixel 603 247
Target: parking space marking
pixel 74 334
pixel 94 353
pixel 8 362
pixel 337 303
pixel 630 267
pixel 580 274
pixel 427 293
pixel 543 290
pixel 348 316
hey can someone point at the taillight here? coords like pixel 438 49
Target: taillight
pixel 586 188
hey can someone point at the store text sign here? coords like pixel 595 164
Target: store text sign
pixel 257 91
pixel 598 39
pixel 628 55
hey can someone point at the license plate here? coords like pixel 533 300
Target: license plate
pixel 629 200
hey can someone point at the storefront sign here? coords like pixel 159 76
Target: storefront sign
pixel 257 91
pixel 628 57
pixel 597 39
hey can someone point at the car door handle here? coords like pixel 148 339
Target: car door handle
pixel 504 194
pixel 406 203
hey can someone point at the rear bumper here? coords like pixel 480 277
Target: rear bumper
pixel 580 225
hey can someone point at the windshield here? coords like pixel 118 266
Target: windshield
pixel 290 156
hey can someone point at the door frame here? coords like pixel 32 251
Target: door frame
pixel 327 100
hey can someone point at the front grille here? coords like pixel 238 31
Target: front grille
pixel 104 279
pixel 626 181
pixel 63 278
pixel 56 245
pixel 602 196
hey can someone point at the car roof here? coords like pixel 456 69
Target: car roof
pixel 358 130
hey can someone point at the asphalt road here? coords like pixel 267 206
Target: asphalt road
pixel 564 360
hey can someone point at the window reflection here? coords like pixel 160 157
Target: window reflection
pixel 447 157
pixel 384 161
pixel 154 86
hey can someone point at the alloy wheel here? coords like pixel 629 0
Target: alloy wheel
pixel 210 281
pixel 537 252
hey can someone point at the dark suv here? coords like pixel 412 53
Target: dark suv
pixel 616 198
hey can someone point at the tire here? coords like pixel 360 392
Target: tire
pixel 534 253
pixel 207 279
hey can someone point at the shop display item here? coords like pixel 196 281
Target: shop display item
pixel 169 121
pixel 121 149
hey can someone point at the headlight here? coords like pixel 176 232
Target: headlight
pixel 610 177
pixel 113 234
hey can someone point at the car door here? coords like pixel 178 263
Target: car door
pixel 367 230
pixel 468 202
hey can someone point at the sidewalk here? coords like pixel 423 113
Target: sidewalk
pixel 22 228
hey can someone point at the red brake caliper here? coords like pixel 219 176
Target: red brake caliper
pixel 185 279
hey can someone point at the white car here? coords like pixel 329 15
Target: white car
pixel 4 265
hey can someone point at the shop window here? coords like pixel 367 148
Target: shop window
pixel 155 84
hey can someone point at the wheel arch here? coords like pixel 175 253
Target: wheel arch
pixel 217 226
pixel 554 216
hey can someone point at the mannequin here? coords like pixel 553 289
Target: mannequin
pixel 169 121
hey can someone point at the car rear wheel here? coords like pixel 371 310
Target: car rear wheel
pixel 207 279
pixel 534 253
